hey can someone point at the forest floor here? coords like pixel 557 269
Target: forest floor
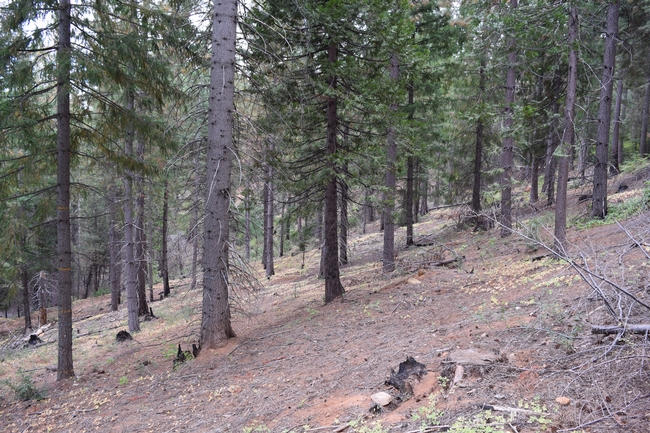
pixel 298 365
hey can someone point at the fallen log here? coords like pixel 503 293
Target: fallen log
pixel 615 329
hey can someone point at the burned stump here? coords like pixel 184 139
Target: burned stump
pixel 409 373
pixel 123 336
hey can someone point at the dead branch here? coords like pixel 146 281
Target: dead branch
pixel 635 329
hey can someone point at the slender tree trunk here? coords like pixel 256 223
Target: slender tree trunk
pixel 507 151
pixel 215 321
pixel 150 256
pixel 195 223
pixel 644 119
pixel 65 368
pixel 567 136
pixel 129 234
pixel 269 214
pixel 599 205
pixel 333 286
pixel 164 258
pixel 265 227
pixel 282 226
pixel 619 144
pixel 247 233
pixel 115 269
pixel 410 175
pixel 534 179
pixel 416 190
pixel 391 181
pixel 553 141
pixel 140 238
pixel 614 167
pixel 343 245
pixel 478 150
pixel 26 306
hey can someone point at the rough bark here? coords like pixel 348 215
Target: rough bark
pixel 507 150
pixel 115 267
pixel 478 149
pixel 644 119
pixel 26 306
pixel 333 286
pixel 410 174
pixel 343 244
pixel 534 179
pixel 195 222
pixel 567 136
pixel 65 368
pixel 553 141
pixel 215 320
pixel 391 182
pixel 599 204
pixel 164 256
pixel 614 167
pixel 269 214
pixel 247 233
pixel 129 234
pixel 140 237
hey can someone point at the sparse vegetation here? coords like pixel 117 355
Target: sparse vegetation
pixel 24 388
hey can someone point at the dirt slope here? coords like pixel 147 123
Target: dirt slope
pixel 298 365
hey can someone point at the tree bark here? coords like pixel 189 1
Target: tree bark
pixel 599 204
pixel 333 286
pixel 614 167
pixel 507 150
pixel 391 181
pixel 140 238
pixel 534 178
pixel 65 368
pixel 478 149
pixel 553 141
pixel 644 119
pixel 195 222
pixel 410 176
pixel 215 320
pixel 343 246
pixel 567 136
pixel 115 269
pixel 164 256
pixel 26 305
pixel 129 233
pixel 269 214
pixel 247 233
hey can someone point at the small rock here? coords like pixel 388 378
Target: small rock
pixel 500 396
pixel 413 281
pixel 382 398
pixel 564 401
pixel 420 272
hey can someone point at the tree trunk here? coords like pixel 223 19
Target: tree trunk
pixel 644 119
pixel 599 205
pixel 140 239
pixel 333 286
pixel 195 222
pixel 553 141
pixel 507 150
pixel 282 227
pixel 478 150
pixel 26 306
pixel 410 175
pixel 65 368
pixel 129 234
pixel 416 190
pixel 567 136
pixel 534 178
pixel 247 233
pixel 343 246
pixel 614 167
pixel 265 219
pixel 164 257
pixel 115 267
pixel 269 214
pixel 215 320
pixel 391 181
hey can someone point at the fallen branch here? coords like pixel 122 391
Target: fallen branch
pixel 512 410
pixel 615 329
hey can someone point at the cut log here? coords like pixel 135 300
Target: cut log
pixel 614 329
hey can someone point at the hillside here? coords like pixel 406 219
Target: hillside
pixel 300 366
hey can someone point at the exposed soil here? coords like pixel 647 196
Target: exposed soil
pixel 299 365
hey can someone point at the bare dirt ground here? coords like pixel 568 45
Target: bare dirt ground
pixel 298 365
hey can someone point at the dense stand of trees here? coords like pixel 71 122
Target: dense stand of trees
pixel 135 134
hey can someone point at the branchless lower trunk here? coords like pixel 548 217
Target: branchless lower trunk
pixel 567 136
pixel 599 204
pixel 65 367
pixel 215 320
pixel 331 271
